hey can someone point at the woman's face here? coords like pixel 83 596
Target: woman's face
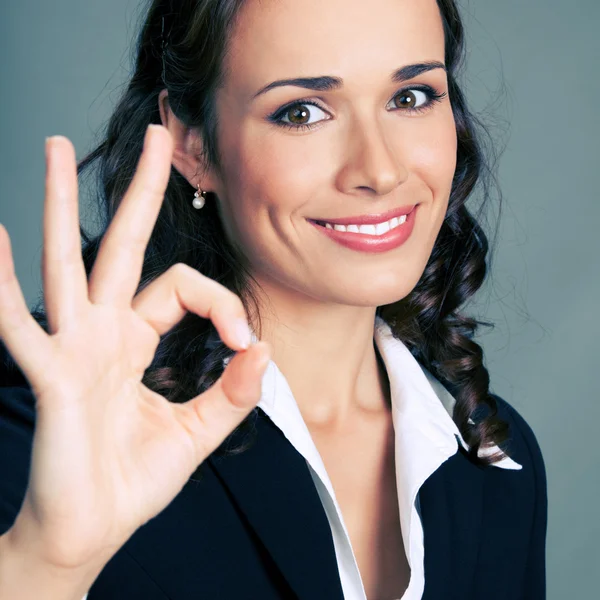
pixel 361 144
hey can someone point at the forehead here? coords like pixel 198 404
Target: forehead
pixel 360 41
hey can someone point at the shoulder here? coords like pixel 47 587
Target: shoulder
pixel 521 497
pixel 517 505
pixel 17 424
pixel 17 402
pixel 522 444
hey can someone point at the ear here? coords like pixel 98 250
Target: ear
pixel 187 147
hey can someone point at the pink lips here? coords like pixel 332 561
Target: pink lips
pixel 370 219
pixel 363 242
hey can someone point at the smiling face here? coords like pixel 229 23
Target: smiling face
pixel 364 142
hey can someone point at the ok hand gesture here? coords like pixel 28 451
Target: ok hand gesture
pixel 108 453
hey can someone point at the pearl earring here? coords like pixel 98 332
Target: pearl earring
pixel 199 198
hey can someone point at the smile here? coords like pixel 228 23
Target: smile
pixel 369 237
pixel 374 229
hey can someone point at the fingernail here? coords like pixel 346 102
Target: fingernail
pixel 263 361
pixel 51 138
pixel 242 333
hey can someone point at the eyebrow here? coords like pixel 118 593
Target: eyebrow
pixel 327 83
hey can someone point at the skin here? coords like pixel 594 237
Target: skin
pixel 364 154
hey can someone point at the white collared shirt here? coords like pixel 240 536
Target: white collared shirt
pixel 425 437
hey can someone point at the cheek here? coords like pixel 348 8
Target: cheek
pixel 433 164
pixel 266 184
pixel 286 169
pixel 271 180
pixel 433 155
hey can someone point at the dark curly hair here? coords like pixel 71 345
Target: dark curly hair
pixel 181 48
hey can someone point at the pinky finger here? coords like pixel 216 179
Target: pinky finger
pixel 24 339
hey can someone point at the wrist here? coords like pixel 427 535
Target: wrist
pixel 27 575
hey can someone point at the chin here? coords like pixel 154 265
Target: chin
pixel 376 293
pixel 374 300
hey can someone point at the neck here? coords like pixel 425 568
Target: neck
pixel 328 356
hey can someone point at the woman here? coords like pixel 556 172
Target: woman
pixel 322 156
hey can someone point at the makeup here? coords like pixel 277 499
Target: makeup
pixel 369 233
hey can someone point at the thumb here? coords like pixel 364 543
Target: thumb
pixel 215 413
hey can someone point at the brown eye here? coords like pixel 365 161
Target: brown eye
pixel 414 100
pixel 298 115
pixel 405 100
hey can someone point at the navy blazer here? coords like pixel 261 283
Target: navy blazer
pixel 252 526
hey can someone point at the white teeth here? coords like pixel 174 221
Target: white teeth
pixel 370 229
pixel 378 229
pixel 382 228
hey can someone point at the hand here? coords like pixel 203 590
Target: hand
pixel 108 453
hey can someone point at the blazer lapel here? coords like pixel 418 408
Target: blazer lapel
pixel 273 488
pixel 451 504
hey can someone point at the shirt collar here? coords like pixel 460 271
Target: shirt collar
pixel 425 436
pixel 423 402
pixel 422 408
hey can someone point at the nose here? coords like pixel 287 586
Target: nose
pixel 372 161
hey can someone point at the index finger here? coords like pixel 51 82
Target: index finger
pixel 118 267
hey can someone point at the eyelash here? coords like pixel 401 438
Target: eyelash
pixel 433 98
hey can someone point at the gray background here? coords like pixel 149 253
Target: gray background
pixel 533 75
